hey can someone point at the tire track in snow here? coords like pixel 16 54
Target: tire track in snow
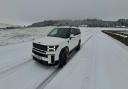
pixel 48 79
pixel 15 66
pixel 86 41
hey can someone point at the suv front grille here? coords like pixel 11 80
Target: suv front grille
pixel 41 47
pixel 41 51
pixel 40 54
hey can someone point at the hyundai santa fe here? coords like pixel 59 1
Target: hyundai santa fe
pixel 57 45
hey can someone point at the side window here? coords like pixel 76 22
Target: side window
pixel 73 31
pixel 78 31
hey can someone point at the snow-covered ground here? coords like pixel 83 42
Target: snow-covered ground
pixel 100 64
pixel 13 36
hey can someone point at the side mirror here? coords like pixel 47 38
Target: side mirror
pixel 72 36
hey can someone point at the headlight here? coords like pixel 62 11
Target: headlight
pixel 52 48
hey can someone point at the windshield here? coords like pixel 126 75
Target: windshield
pixel 60 32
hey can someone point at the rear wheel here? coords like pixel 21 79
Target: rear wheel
pixel 63 57
pixel 78 46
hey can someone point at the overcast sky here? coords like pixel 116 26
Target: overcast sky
pixel 29 11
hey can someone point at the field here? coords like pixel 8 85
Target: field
pixel 101 63
pixel 13 36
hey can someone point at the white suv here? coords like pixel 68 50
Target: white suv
pixel 57 45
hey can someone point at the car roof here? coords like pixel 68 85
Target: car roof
pixel 67 27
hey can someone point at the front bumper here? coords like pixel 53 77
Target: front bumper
pixel 44 58
pixel 45 62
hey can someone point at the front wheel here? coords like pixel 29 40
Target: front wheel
pixel 63 57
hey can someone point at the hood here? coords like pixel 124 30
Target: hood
pixel 50 41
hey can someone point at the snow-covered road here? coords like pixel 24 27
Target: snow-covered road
pixel 19 71
pixel 100 64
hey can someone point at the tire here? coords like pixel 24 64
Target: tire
pixel 78 46
pixel 63 57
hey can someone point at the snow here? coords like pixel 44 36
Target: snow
pixel 114 63
pixel 98 28
pixel 100 64
pixel 17 69
pixel 28 76
pixel 120 35
pixel 50 40
pixel 13 36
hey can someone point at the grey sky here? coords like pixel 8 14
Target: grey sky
pixel 29 11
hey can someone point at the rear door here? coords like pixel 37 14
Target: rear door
pixel 76 37
pixel 72 41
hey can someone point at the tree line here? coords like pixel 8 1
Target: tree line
pixel 85 22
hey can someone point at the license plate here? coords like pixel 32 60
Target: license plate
pixel 38 57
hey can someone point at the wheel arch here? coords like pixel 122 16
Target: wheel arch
pixel 63 49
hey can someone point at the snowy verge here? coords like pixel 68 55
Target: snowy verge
pixel 14 36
